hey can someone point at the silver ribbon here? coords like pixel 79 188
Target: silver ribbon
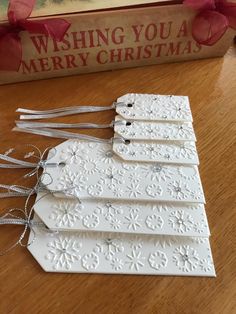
pixel 50 132
pixel 64 111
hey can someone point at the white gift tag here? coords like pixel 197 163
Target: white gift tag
pixel 92 172
pixel 163 152
pixel 154 130
pixel 154 107
pixel 120 216
pixel 115 253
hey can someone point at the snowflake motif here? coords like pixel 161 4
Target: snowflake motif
pixel 199 227
pixel 63 252
pixel 136 242
pixel 183 130
pixel 112 177
pixel 118 192
pixel 180 221
pixel 117 264
pixel 178 190
pixel 72 154
pixel 91 221
pixel 133 222
pixel 133 209
pixel 90 261
pixel 109 247
pixel 149 130
pixel 133 189
pixel 65 214
pixel 134 177
pixel 186 258
pixel 161 208
pixel 130 166
pixel 105 156
pixel 164 241
pixel 157 172
pixel 154 222
pixel 115 223
pixel 95 190
pixel 206 265
pixel 154 190
pixel 188 173
pixel 72 182
pixel 109 211
pixel 135 260
pixel 197 194
pixel 150 150
pixel 158 260
pixel 89 166
pixel 198 240
pixel 151 112
pixel 178 110
pixel 122 149
pixel 186 150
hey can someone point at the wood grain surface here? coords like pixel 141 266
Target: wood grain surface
pixel 211 86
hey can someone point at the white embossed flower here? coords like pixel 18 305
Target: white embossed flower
pixel 154 222
pixel 115 223
pixel 178 109
pixel 180 221
pixel 89 166
pixel 199 227
pixel 133 189
pixel 197 194
pixel 72 183
pixel 90 261
pixel 63 252
pixel 206 265
pixel 122 149
pixel 158 260
pixel 164 241
pixel 136 242
pixel 95 190
pixel 117 263
pixel 157 172
pixel 183 130
pixel 105 155
pixel 186 258
pixel 178 190
pixel 149 130
pixel 135 260
pixel 66 213
pixel 151 150
pixel 133 222
pixel 154 190
pixel 72 154
pixel 151 112
pixel 91 221
pixel 111 177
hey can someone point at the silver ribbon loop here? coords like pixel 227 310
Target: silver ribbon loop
pixel 64 111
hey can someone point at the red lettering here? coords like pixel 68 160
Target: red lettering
pixel 40 43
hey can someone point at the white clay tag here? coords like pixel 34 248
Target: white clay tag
pixel 92 172
pixel 154 130
pixel 154 107
pixel 153 151
pixel 120 216
pixel 116 253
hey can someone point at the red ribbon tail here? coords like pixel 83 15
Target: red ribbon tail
pixel 208 27
pixel 229 10
pixel 10 52
pixel 54 28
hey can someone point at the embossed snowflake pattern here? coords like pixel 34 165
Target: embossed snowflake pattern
pixel 154 190
pixel 186 150
pixel 90 261
pixel 95 189
pixel 72 154
pixel 164 241
pixel 134 189
pixel 206 265
pixel 180 221
pixel 109 210
pixel 183 130
pixel 178 190
pixel 186 258
pixel 109 247
pixel 161 208
pixel 149 130
pixel 89 166
pixel 91 221
pixel 188 173
pixel 63 252
pixel 117 263
pixel 177 109
pixel 72 183
pixel 66 213
pixel 111 177
pixel 150 150
pixel 133 221
pixel 135 260
pixel 105 156
pixel 157 172
pixel 158 260
pixel 154 222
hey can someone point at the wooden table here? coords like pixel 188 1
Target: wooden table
pixel 211 86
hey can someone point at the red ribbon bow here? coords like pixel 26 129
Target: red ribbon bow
pixel 214 18
pixel 10 41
